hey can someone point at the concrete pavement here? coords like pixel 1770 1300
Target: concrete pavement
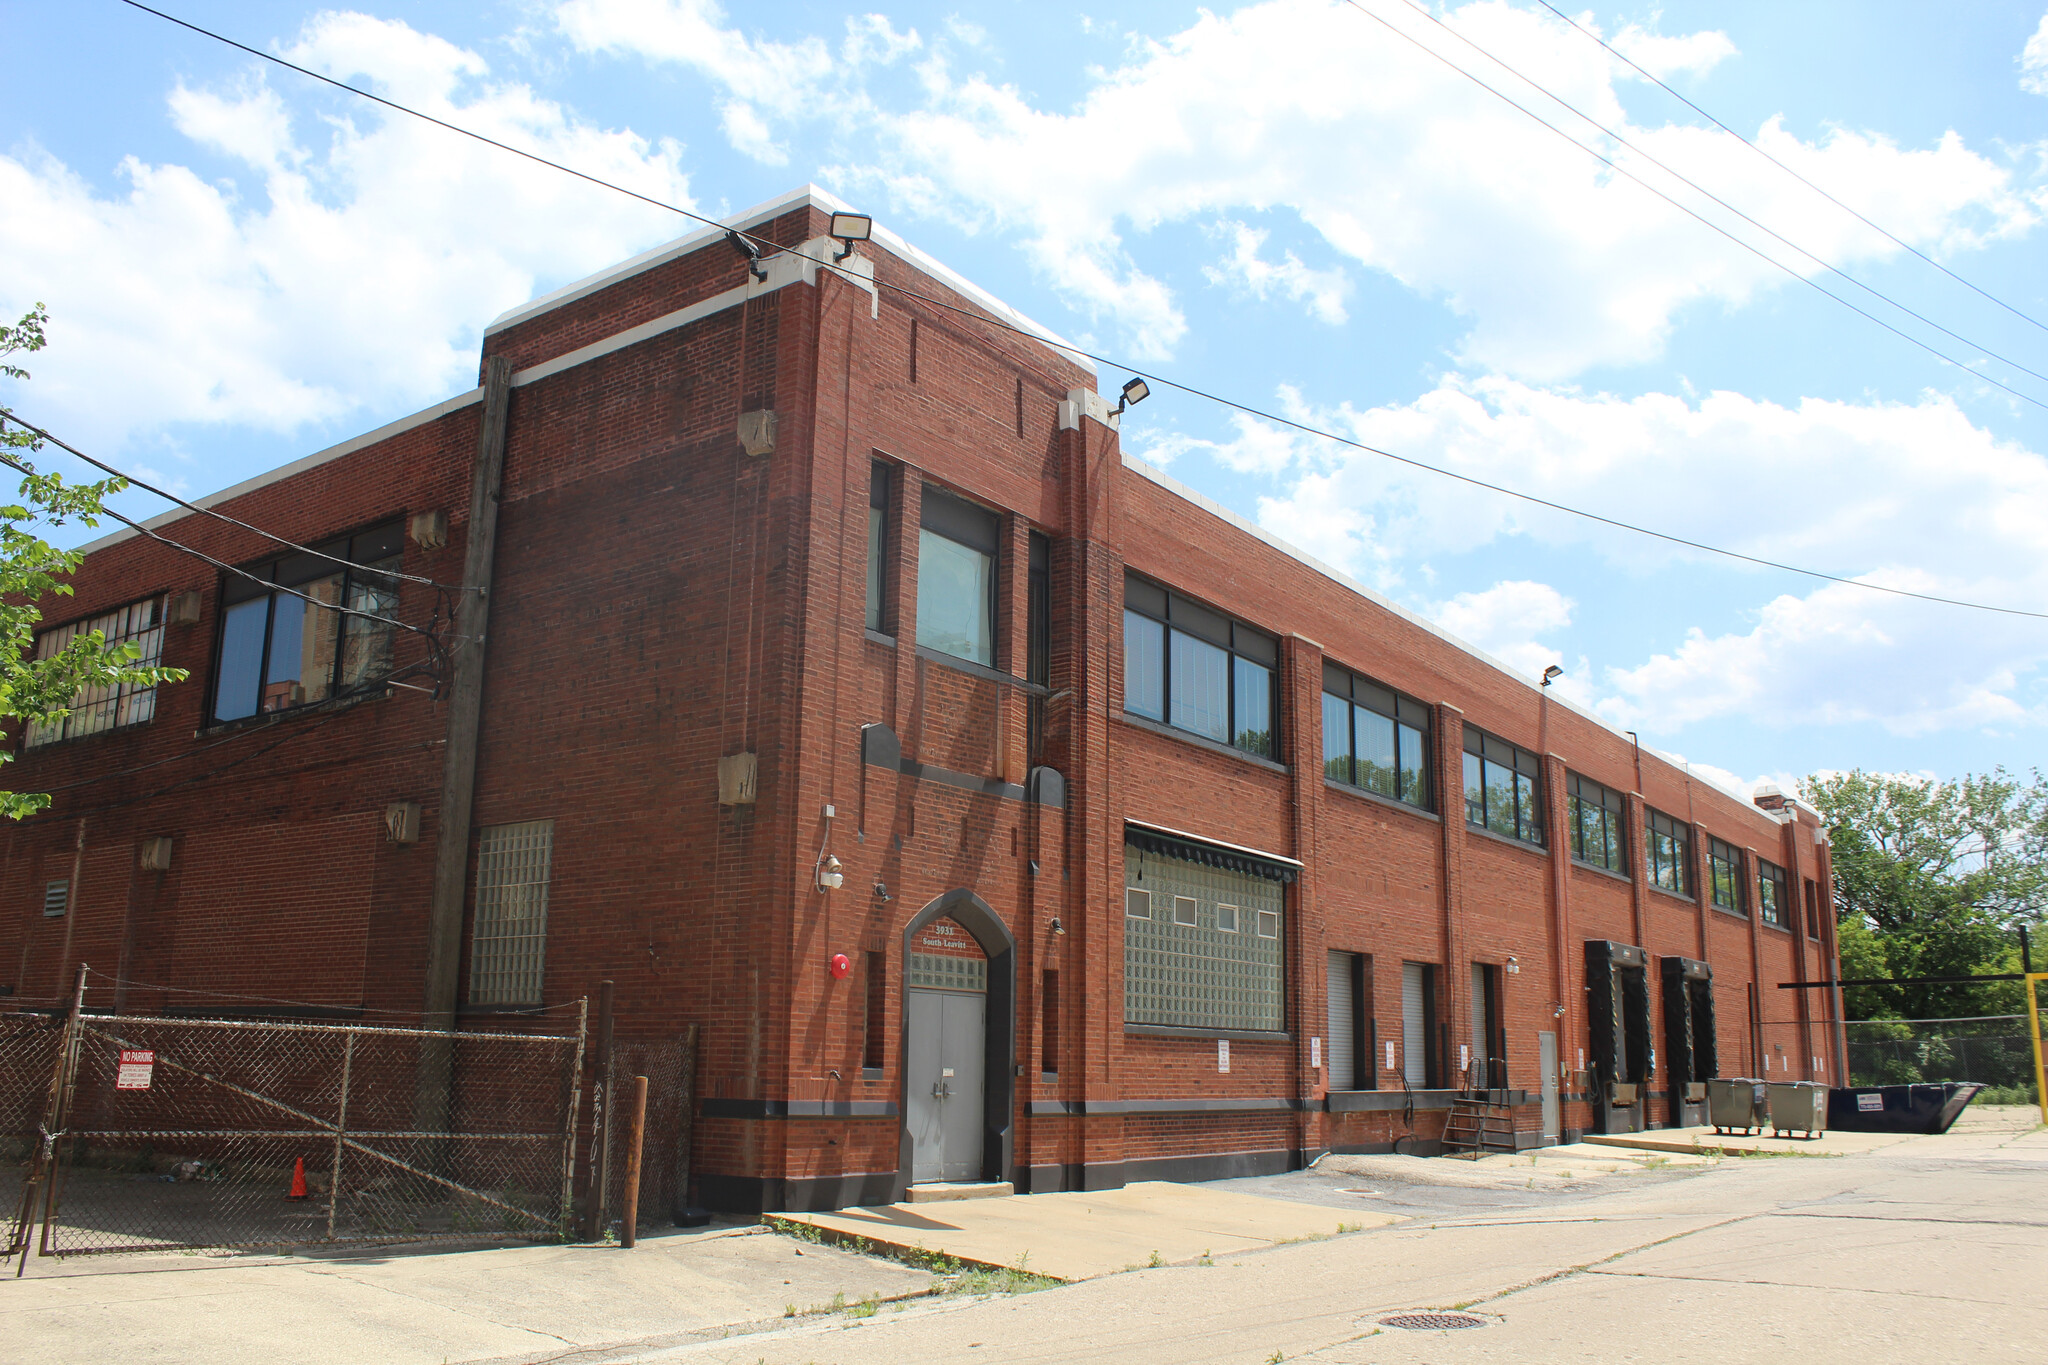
pixel 1929 1249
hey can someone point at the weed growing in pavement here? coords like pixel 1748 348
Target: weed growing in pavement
pixel 866 1308
pixel 789 1310
pixel 1206 1259
pixel 1276 1358
pixel 1156 1261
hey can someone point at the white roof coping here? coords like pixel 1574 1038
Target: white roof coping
pixel 1216 509
pixel 298 466
pixel 811 195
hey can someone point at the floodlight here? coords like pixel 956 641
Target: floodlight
pixel 850 228
pixel 1136 391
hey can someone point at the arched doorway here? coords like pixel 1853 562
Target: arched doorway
pixel 959 1037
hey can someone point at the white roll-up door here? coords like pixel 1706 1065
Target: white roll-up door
pixel 1343 1025
pixel 1414 1024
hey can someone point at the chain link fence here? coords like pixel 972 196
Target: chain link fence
pixel 196 1133
pixel 671 1071
pixel 1991 1050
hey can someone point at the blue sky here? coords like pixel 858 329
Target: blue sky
pixel 1289 203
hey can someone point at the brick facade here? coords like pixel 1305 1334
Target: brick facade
pixel 662 599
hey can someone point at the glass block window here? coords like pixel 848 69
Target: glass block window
pixel 1202 975
pixel 1503 787
pixel 941 972
pixel 1772 906
pixel 106 708
pixel 1188 667
pixel 508 945
pixel 1669 850
pixel 1598 814
pixel 1375 738
pixel 1724 871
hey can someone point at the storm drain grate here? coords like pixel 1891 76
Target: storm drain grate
pixel 1432 1322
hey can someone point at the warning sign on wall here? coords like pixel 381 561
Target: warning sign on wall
pixel 138 1064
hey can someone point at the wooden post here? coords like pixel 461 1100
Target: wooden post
pixel 635 1135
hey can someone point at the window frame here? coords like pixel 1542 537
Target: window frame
pixel 1242 646
pixel 1613 808
pixel 881 487
pixel 1402 711
pixel 1716 849
pixel 293 571
pixel 949 517
pixel 1491 750
pixel 125 699
pixel 1766 904
pixel 1657 825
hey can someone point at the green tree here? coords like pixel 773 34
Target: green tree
pixel 32 570
pixel 1934 879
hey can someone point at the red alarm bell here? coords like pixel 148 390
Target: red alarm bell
pixel 841 965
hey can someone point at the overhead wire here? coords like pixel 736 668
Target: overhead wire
pixel 1758 149
pixel 7 415
pixel 989 320
pixel 1692 213
pixel 226 567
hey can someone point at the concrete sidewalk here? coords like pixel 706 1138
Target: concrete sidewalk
pixel 1078 1236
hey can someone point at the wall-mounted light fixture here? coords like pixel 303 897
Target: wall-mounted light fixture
pixel 830 878
pixel 747 249
pixel 882 892
pixel 1057 927
pixel 1514 966
pixel 1135 392
pixel 850 228
pixel 1552 674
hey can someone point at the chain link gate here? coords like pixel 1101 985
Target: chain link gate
pixel 195 1133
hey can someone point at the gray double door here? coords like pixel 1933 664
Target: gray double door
pixel 943 1062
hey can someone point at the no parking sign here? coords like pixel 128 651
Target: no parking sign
pixel 138 1064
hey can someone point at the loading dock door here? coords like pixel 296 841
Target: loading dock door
pixel 1415 994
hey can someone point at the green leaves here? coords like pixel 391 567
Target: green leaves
pixel 32 570
pixel 1934 879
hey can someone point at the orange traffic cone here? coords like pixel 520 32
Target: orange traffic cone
pixel 298 1190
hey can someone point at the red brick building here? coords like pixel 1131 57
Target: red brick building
pixel 997 807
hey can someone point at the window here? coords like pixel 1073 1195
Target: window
pixel 279 649
pixel 878 540
pixel 1669 847
pixel 1503 787
pixel 1812 909
pixel 1137 904
pixel 956 579
pixel 507 946
pixel 1724 871
pixel 875 1038
pixel 1038 613
pixel 1375 738
pixel 1772 907
pixel 1598 814
pixel 1226 918
pixel 106 708
pixel 56 897
pixel 1198 974
pixel 1198 671
pixel 1049 1023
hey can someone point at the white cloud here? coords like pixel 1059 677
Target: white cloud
pixel 1323 290
pixel 352 267
pixel 1505 621
pixel 1665 55
pixel 1405 167
pixel 2034 61
pixel 1912 496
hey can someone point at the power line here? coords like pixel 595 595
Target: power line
pixel 1620 169
pixel 1683 179
pixel 8 416
pixel 226 567
pixel 989 320
pixel 1874 227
